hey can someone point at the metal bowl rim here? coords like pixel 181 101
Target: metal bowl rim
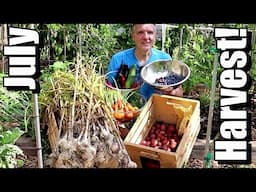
pixel 114 88
pixel 158 86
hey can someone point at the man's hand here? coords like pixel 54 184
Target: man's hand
pixel 174 92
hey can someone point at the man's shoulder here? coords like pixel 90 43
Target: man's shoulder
pixel 160 54
pixel 124 52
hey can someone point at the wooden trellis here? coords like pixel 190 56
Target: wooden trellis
pixel 3 41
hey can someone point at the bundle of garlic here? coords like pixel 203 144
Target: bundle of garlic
pixel 85 133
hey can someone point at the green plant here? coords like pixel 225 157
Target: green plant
pixel 61 42
pixel 204 99
pixel 9 152
pixel 15 107
pixel 196 52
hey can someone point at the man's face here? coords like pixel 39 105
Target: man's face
pixel 144 36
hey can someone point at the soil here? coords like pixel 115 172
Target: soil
pixel 29 161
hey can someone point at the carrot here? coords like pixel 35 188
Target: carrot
pixel 125 108
pixel 129 115
pixel 119 115
pixel 119 104
pixel 135 111
pixel 130 107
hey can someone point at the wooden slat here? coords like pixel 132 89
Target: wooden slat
pixel 141 123
pixel 189 141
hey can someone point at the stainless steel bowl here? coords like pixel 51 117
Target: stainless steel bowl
pixel 163 68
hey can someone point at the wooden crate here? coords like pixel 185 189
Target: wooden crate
pixel 166 109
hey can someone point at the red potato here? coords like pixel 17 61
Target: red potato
pixel 162 136
pixel 143 142
pixel 158 125
pixel 158 135
pixel 163 127
pixel 148 139
pixel 165 142
pixel 151 132
pixel 173 144
pixel 162 132
pixel 153 128
pixel 166 147
pixel 152 136
pixel 171 127
pixel 175 137
pixel 159 144
pixel 154 142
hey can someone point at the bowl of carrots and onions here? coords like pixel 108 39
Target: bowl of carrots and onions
pixel 129 107
pixel 125 79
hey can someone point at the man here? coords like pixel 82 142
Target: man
pixel 144 37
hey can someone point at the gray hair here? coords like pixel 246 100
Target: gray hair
pixel 133 25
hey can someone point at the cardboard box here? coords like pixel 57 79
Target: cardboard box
pixel 185 113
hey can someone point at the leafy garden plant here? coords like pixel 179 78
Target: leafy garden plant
pixel 9 152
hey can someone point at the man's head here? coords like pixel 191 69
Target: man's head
pixel 144 36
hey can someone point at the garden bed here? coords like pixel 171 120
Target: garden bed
pixel 196 157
